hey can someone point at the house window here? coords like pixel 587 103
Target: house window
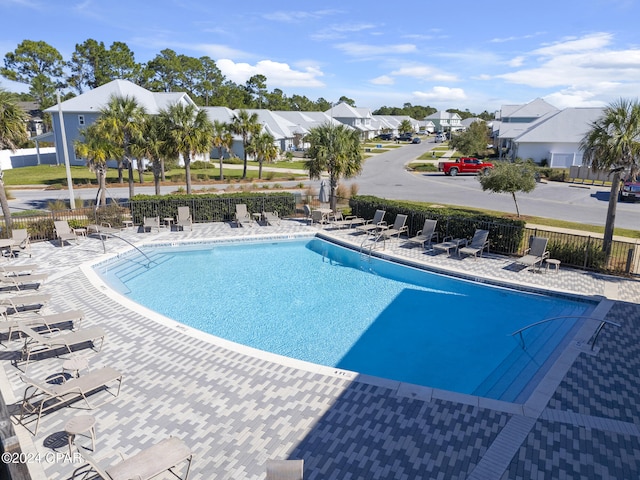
pixel 80 119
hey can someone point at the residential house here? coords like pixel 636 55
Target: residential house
pixel 445 121
pixel 556 137
pixel 358 118
pixel 81 111
pixel 513 120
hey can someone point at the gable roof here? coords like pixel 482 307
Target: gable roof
pixel 566 126
pixel 534 109
pixel 343 110
pixel 96 99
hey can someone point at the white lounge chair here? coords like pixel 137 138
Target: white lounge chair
pixel 21 241
pixel 337 220
pixel 36 343
pixel 271 218
pixel 20 280
pixel 184 218
pixel 535 254
pixel 373 225
pixel 243 217
pixel 162 457
pixel 25 303
pixel 17 322
pixel 151 223
pixel 425 236
pixel 40 397
pixel 477 245
pixel 64 232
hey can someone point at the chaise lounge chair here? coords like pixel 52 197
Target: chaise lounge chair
pixel 399 226
pixel 21 240
pixel 184 218
pixel 18 280
pixel 425 236
pixel 36 343
pixel 271 218
pixel 162 457
pixel 64 232
pixel 478 243
pixel 151 223
pixel 41 397
pixel 25 303
pixel 535 254
pixel 285 469
pixel 338 221
pixel 372 226
pixel 9 269
pixel 13 323
pixel 243 217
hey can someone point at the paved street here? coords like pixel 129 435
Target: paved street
pixel 385 175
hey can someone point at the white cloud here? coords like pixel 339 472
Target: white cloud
pixel 364 50
pixel 383 80
pixel 299 15
pixel 424 72
pixel 516 61
pixel 442 94
pixel 585 44
pixel 279 75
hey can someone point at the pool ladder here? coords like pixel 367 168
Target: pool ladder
pixel 594 337
pixel 374 244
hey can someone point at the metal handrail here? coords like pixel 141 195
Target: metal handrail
pixel 594 336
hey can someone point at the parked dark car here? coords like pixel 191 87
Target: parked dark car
pixel 416 140
pixel 405 137
pixel 385 136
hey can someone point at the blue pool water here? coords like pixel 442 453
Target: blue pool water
pixel 322 303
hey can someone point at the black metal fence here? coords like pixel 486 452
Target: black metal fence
pixel 579 251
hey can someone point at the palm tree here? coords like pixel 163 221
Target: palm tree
pixel 97 149
pixel 153 146
pixel 188 131
pixel 405 126
pixel 123 122
pixel 13 132
pixel 264 149
pixel 613 143
pixel 222 139
pixel 245 125
pixel 335 149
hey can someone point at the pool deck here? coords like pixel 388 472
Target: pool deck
pixel 236 410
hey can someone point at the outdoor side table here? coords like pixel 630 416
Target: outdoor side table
pixel 80 232
pixel 75 364
pixel 168 221
pixel 81 425
pixel 554 262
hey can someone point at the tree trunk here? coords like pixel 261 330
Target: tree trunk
pixel 162 171
pixel 5 206
pixel 141 171
pixel 157 172
pixel 333 182
pixel 220 159
pixel 513 194
pixel 244 152
pixel 120 168
pixel 102 177
pixel 611 215
pixel 130 170
pixel 260 168
pixel 187 171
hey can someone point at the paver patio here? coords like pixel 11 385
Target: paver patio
pixel 237 410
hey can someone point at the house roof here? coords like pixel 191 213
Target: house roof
pixel 566 126
pixel 442 115
pixel 96 99
pixel 534 109
pixel 273 123
pixel 343 110
pixel 221 114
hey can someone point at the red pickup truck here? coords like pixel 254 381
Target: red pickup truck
pixel 464 165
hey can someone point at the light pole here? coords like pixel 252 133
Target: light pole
pixel 72 200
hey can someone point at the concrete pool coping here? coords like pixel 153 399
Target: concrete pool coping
pixel 533 409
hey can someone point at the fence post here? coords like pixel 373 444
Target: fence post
pixel 586 252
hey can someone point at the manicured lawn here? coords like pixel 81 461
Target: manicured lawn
pixel 57 176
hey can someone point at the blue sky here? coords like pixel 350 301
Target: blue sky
pixel 465 54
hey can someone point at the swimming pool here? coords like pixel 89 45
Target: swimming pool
pixel 322 303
